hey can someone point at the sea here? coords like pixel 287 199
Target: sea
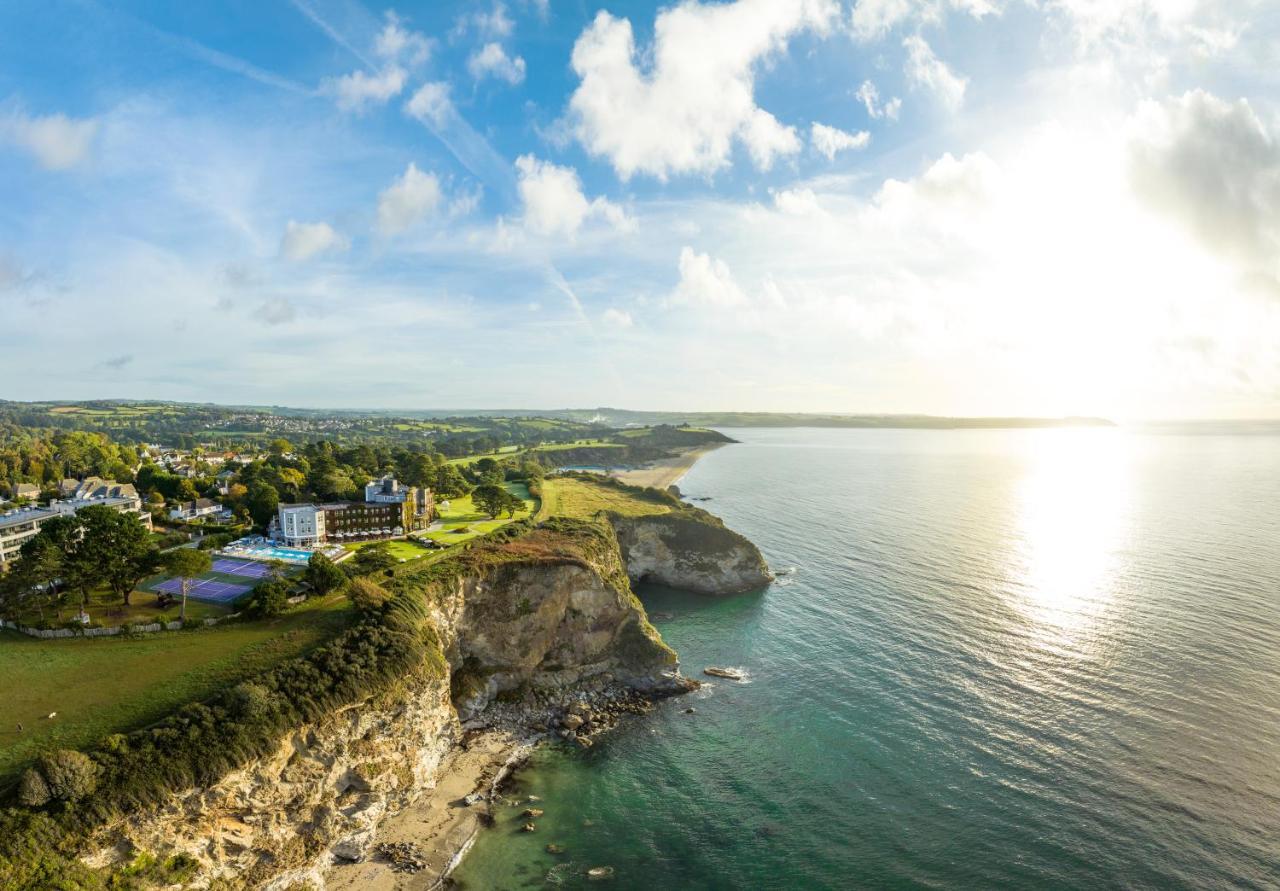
pixel 991 659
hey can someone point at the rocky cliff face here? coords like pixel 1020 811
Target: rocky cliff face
pixel 547 612
pixel 536 617
pixel 691 552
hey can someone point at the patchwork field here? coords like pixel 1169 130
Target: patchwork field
pixel 99 686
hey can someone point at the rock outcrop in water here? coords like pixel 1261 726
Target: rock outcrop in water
pixel 538 615
pixel 691 551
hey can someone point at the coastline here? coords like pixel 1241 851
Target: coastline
pixel 667 472
pixel 440 827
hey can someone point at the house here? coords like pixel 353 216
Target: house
pixel 194 510
pixel 419 503
pixel 224 481
pixel 17 526
pixel 29 491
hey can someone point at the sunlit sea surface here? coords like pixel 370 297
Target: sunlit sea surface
pixel 1033 659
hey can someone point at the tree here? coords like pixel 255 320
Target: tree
pixel 323 574
pixel 263 503
pixel 376 557
pixel 279 447
pixel 33 580
pixel 118 545
pixel 450 483
pixel 269 598
pixel 186 564
pixel 494 499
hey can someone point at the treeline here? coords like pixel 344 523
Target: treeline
pixel 45 457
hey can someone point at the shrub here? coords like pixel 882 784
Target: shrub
pixel 71 775
pixel 368 596
pixel 33 791
pixel 269 598
pixel 323 574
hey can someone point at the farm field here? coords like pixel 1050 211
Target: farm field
pixel 107 685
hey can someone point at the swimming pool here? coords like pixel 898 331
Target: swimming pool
pixel 260 549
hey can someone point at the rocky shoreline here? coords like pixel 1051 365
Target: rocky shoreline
pixel 420 846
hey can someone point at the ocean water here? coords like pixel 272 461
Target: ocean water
pixel 1032 659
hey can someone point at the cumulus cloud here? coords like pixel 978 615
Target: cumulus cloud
pixel 491 60
pixel 554 203
pixel 1213 166
pixel 411 197
pixel 430 104
pixel 398 44
pixel 685 111
pixel 56 141
pixel 302 241
pixel 357 90
pixel 925 71
pixel 869 96
pixel 830 140
pixel 705 281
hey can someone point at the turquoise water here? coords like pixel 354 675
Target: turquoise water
pixel 1034 659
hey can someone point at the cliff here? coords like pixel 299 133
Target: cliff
pixel 689 550
pixel 323 750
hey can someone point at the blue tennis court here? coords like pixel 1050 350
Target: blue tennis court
pixel 247 568
pixel 205 589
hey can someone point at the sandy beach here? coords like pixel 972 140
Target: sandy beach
pixel 668 472
pixel 440 826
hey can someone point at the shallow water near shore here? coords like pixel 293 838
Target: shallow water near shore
pixel 1039 658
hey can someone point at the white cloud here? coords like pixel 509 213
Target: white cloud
pixel 491 60
pixel 398 44
pixel 925 71
pixel 411 197
pixel 496 23
pixel 684 112
pixel 872 19
pixel 705 281
pixel 1213 166
pixel 798 201
pixel 354 91
pixel 302 241
pixel 618 318
pixel 554 203
pixel 869 96
pixel 830 140
pixel 430 104
pixel 56 141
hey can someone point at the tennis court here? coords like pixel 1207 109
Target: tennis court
pixel 247 568
pixel 205 589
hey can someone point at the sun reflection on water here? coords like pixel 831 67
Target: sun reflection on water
pixel 1073 512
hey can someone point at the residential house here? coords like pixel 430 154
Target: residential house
pixel 29 491
pixel 194 510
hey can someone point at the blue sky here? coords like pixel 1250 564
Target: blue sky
pixel 945 206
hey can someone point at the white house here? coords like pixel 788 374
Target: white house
pixel 194 510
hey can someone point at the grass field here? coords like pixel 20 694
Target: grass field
pixel 107 685
pixel 401 550
pixel 462 514
pixel 105 608
pixel 567 497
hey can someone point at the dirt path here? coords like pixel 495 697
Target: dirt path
pixel 440 825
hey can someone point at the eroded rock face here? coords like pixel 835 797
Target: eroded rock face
pixel 690 554
pixel 534 629
pixel 278 821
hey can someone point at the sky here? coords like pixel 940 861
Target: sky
pixel 959 207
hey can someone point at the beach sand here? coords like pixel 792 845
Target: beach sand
pixel 668 472
pixel 439 824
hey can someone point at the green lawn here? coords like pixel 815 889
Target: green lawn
pixel 504 452
pixel 106 609
pixel 100 686
pixel 581 444
pixel 463 515
pixel 401 550
pixel 567 497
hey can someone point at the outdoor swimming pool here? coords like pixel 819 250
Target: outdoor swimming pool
pixel 261 549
